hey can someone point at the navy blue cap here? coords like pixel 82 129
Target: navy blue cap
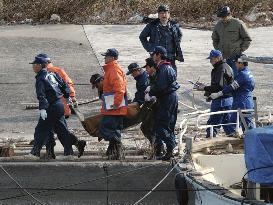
pixel 223 11
pixel 132 67
pixel 150 62
pixel 44 55
pixel 163 7
pixel 111 52
pixel 214 54
pixel 39 60
pixel 161 50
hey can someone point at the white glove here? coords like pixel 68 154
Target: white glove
pixel 43 114
pixel 147 89
pixel 153 98
pixel 216 95
pixel 147 97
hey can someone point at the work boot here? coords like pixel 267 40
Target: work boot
pixel 159 151
pixel 119 155
pixel 110 148
pixel 50 154
pixel 80 146
pixel 168 155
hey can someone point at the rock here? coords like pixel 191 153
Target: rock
pixel 136 19
pixel 229 148
pixel 153 16
pixel 28 21
pixel 55 18
pixel 2 22
pixel 255 13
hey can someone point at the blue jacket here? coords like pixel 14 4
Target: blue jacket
pixel 165 80
pixel 142 82
pixel 49 88
pixel 241 89
pixel 157 37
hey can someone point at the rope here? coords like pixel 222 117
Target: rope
pixel 93 50
pixel 79 183
pixel 146 195
pixel 19 185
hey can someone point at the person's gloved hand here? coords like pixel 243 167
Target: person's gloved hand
pixel 43 114
pixel 68 101
pixel 114 107
pixel 216 95
pixel 147 89
pixel 75 103
pixel 153 98
pixel 149 98
pixel 199 86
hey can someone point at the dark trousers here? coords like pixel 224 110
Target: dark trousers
pixel 249 121
pixel 174 66
pixel 110 127
pixel 45 128
pixel 165 120
pixel 232 63
pixel 51 141
pixel 220 119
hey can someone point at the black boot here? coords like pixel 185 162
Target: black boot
pixel 159 151
pixel 119 155
pixel 110 152
pixel 50 154
pixel 80 146
pixel 168 155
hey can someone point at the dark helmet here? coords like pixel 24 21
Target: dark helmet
pixel 163 7
pixel 223 11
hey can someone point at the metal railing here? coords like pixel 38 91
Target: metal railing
pixel 237 123
pixel 184 123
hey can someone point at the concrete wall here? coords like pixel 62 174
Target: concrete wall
pixel 125 188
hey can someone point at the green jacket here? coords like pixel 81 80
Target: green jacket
pixel 231 38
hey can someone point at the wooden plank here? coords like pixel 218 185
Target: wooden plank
pixel 215 142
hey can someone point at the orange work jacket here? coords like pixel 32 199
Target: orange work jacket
pixel 114 82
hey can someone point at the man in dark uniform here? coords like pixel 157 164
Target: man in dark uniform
pixel 164 90
pixel 142 82
pixel 221 75
pixel 79 144
pixel 163 32
pixel 49 89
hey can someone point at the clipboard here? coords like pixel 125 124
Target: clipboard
pixel 108 100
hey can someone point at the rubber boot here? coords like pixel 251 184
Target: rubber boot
pixel 80 146
pixel 168 155
pixel 110 149
pixel 50 154
pixel 119 155
pixel 159 151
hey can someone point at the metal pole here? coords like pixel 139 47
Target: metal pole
pixel 255 111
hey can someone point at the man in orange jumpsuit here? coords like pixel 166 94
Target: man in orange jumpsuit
pixel 80 144
pixel 113 111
